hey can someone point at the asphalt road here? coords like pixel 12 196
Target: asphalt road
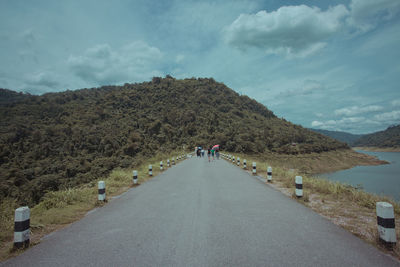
pixel 202 214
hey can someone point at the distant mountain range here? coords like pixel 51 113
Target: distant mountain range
pixel 348 138
pixel 389 138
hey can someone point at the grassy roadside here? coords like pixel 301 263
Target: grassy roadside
pixel 60 208
pixel 346 206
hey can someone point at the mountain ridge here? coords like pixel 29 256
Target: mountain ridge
pixel 60 140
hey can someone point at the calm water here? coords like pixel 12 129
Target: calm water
pixel 381 180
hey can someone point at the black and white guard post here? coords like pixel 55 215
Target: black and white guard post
pixel 233 159
pixel 244 164
pixel 135 180
pixel 161 166
pixel 269 174
pixel 22 227
pixel 299 186
pixel 254 168
pixel 238 161
pixel 150 170
pixel 173 161
pixel 102 191
pixel 386 223
pixel 168 163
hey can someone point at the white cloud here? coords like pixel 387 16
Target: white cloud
pixel 389 117
pixel 351 111
pixel 352 124
pixel 396 103
pixel 103 65
pixel 366 14
pixel 42 79
pixel 307 88
pixel 291 30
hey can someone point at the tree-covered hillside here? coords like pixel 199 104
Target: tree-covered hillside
pixel 390 138
pixel 64 139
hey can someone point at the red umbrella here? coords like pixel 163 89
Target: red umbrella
pixel 216 146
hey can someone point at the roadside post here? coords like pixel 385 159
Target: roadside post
pixel 150 170
pixel 102 191
pixel 386 223
pixel 238 161
pixel 135 180
pixel 269 174
pixel 254 168
pixel 244 164
pixel 22 227
pixel 299 186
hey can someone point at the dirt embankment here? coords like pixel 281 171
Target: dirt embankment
pixel 317 163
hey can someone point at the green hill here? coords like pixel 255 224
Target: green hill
pixel 60 140
pixel 389 138
pixel 348 138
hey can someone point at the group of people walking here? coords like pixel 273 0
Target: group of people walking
pixel 212 152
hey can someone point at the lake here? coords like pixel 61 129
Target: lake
pixel 381 180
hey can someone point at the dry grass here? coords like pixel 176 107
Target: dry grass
pixel 60 208
pixel 346 206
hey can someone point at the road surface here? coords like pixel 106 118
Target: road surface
pixel 202 214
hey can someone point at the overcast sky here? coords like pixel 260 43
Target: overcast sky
pixel 325 64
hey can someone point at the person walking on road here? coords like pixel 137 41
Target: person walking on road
pixel 212 153
pixel 217 153
pixel 209 154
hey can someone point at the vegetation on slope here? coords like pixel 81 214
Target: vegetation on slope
pixel 60 140
pixel 390 138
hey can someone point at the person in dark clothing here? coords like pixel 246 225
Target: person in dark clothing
pixel 209 154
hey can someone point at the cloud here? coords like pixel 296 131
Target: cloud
pixel 359 124
pixel 102 64
pixel 309 87
pixel 366 14
pixel 291 30
pixel 388 117
pixel 353 124
pixel 396 103
pixel 355 110
pixel 42 79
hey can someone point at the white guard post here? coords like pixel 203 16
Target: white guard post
pixel 161 166
pixel 135 180
pixel 150 170
pixel 254 168
pixel 299 186
pixel 244 164
pixel 102 191
pixel 386 223
pixel 22 227
pixel 269 174
pixel 238 161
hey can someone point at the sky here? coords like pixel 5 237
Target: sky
pixel 331 65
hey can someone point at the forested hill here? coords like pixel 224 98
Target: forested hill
pixel 348 138
pixel 390 138
pixel 64 139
